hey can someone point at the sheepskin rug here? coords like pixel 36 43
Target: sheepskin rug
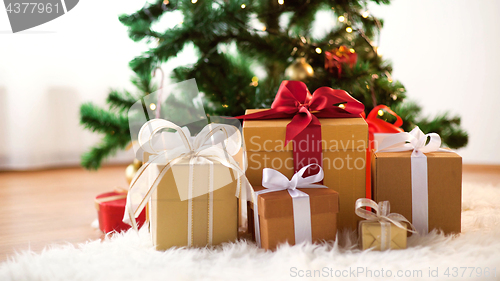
pixel 472 255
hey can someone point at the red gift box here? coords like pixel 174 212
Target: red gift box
pixel 110 209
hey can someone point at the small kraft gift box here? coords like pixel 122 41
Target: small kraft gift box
pixel 325 128
pixel 422 181
pixel 381 230
pixel 293 211
pixel 191 188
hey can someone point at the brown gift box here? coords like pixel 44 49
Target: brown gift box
pixel 169 215
pixel 391 181
pixel 276 216
pixel 344 154
pixel 370 233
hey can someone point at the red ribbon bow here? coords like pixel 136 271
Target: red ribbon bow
pixel 377 125
pixel 294 100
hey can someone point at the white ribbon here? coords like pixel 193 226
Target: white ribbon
pixel 416 141
pixel 274 181
pixel 215 142
pixel 384 217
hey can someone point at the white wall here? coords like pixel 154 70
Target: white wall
pixel 48 71
pixel 447 54
pixel 444 52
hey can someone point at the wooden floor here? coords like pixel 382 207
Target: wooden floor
pixel 39 208
pixel 54 206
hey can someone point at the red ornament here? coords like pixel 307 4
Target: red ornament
pixel 337 58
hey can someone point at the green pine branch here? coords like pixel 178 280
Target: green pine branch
pixel 108 147
pixel 120 101
pixel 99 120
pixel 112 124
pixel 139 23
pixel 143 82
pixel 448 127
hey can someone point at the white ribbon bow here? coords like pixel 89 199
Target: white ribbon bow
pixel 215 142
pixel 416 141
pixel 274 181
pixel 382 214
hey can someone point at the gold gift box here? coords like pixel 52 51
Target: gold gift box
pixel 344 157
pixel 169 215
pixel 370 236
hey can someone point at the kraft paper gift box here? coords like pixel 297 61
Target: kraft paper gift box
pixel 381 230
pixel 344 143
pixel 370 236
pixel 169 216
pixel 392 181
pixel 165 194
pixel 277 221
pixel 191 186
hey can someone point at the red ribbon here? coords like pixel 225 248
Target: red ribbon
pixel 377 125
pixel 294 100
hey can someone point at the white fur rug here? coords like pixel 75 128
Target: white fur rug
pixel 129 256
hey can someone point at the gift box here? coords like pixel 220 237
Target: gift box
pixel 191 183
pixel 110 208
pixel 381 230
pixel 370 236
pixel 422 182
pixel 324 128
pixel 173 221
pixel 276 216
pixel 378 130
pixel 284 214
pixel 343 153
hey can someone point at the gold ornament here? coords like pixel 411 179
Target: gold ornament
pixel 132 169
pixel 299 70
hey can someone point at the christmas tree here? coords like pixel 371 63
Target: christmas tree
pixel 246 48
